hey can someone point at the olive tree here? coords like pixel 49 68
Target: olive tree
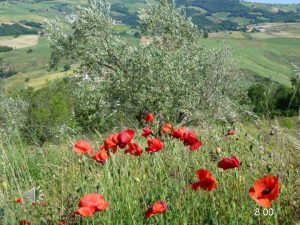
pixel 172 76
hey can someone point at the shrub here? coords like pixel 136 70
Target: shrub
pixel 175 75
pixel 50 115
pixel 5 49
pixel 67 67
pixel 276 101
pixel 5 70
pixel 13 112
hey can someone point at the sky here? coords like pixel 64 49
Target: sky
pixel 276 1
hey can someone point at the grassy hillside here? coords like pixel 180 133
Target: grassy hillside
pixel 262 55
pixel 131 184
pixel 259 55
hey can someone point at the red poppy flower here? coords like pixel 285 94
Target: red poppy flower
pixel 146 132
pixel 18 200
pixel 134 149
pixel 230 132
pixel 149 117
pixel 189 139
pixel 61 223
pixel 206 181
pixel 82 146
pixel 111 142
pixel 157 208
pixel 101 155
pixel 154 145
pixel 265 190
pixel 24 222
pixel 91 203
pixel 166 128
pixel 229 163
pixel 178 133
pixel 125 137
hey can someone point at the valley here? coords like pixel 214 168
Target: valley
pixel 262 51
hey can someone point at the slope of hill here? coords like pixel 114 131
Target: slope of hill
pixel 275 56
pixel 207 14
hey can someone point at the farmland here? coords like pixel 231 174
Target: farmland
pixel 259 55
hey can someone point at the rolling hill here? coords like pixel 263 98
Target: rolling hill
pixel 260 55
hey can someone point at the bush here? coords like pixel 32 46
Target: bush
pixel 90 109
pixel 275 101
pixel 13 113
pixel 67 67
pixel 5 49
pixel 50 115
pixel 5 70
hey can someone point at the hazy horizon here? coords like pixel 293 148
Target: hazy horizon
pixel 275 1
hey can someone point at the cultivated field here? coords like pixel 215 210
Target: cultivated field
pixel 22 41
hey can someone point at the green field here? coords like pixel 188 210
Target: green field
pixel 259 55
pixel 32 67
pixel 14 11
pixel 270 58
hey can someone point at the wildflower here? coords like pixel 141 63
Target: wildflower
pixel 146 132
pixel 229 163
pixel 154 145
pixel 24 222
pixel 18 200
pixel 189 139
pixel 101 155
pixel 149 117
pixel 125 137
pixel 265 190
pixel 157 208
pixel 166 128
pixel 133 149
pixel 82 146
pixel 91 203
pixel 230 132
pixel 111 142
pixel 206 181
pixel 178 133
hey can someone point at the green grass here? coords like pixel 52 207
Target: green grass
pixel 260 54
pixel 269 7
pixel 33 66
pixel 270 58
pixel 131 184
pixel 15 11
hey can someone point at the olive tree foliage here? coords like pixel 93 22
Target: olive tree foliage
pixel 174 75
pixel 13 113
